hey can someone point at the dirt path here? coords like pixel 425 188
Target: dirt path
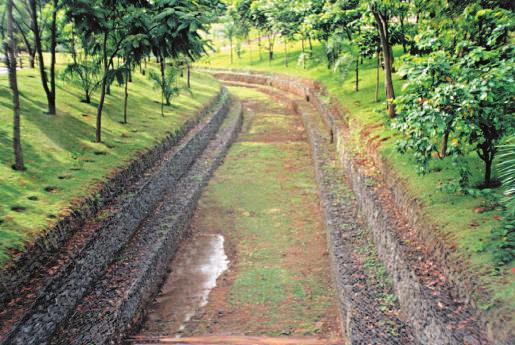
pixel 263 200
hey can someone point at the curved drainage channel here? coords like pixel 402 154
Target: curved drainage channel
pixel 261 213
pixel 194 273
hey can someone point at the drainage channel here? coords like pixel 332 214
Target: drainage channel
pixel 255 269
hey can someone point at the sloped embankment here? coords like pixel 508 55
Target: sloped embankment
pixel 117 300
pixel 91 252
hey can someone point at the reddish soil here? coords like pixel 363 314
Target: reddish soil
pixel 235 340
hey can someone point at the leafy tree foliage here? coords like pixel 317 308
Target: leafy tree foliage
pixel 96 34
pixel 113 23
pixel 175 32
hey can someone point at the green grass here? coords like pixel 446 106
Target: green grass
pixel 453 214
pixel 264 200
pixel 59 151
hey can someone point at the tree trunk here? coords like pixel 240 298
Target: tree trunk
pixel 98 134
pixel 13 83
pixel 230 46
pixel 259 46
pixel 53 46
pixel 74 50
pixel 356 86
pixel 39 51
pixel 30 50
pixel 488 173
pixel 285 53
pixel 126 98
pixel 303 53
pixel 382 25
pixel 250 49
pixel 377 75
pixel 443 144
pixel 31 59
pixel 356 68
pixel 270 49
pixel 486 151
pixel 188 74
pixel 87 98
pixel 162 68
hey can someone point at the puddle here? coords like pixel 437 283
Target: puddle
pixel 194 272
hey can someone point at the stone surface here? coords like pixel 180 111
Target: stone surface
pixel 115 303
pixel 55 301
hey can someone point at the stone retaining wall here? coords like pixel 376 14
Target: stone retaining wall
pixel 362 317
pixel 59 296
pixel 136 275
pixel 29 262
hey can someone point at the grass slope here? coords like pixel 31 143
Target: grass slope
pixel 63 163
pixel 455 215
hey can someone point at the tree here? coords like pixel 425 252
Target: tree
pixel 243 26
pixel 383 11
pixel 84 71
pixel 50 90
pixel 429 107
pixel 21 15
pixel 262 14
pixel 105 21
pixel 229 33
pixel 308 12
pixel 369 46
pixel 9 47
pixel 490 80
pixel 283 20
pixel 135 48
pixel 343 17
pixel 168 85
pixel 176 27
pixel 468 99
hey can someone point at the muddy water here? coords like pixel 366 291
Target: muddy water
pixel 194 272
